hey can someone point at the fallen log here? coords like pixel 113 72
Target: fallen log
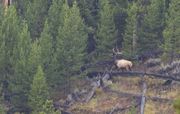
pixel 134 74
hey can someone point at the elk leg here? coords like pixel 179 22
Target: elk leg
pixel 130 68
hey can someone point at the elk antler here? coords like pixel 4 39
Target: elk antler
pixel 117 52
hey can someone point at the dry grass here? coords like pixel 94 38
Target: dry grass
pixel 104 102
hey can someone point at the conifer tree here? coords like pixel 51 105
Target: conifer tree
pixel 46 46
pixel 152 27
pixel 106 33
pixel 20 82
pixel 88 11
pixel 171 33
pixel 72 40
pixel 39 92
pixel 9 35
pixel 34 58
pixel 9 30
pixel 131 35
pixel 54 19
pixel 35 16
pixel 48 55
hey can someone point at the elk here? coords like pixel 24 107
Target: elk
pixel 121 63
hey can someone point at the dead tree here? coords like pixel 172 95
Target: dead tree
pixel 144 89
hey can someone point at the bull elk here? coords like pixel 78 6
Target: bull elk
pixel 121 63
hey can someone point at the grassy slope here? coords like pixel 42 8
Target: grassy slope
pixel 104 102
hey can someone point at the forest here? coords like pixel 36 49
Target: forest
pixel 57 55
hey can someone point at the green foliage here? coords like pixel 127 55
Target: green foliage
pixel 9 35
pixel 35 16
pixel 106 33
pixel 54 19
pixel 46 46
pixel 131 35
pixel 20 82
pixel 72 40
pixel 120 16
pixel 60 36
pixel 88 11
pixel 171 33
pixel 48 108
pixel 39 91
pixel 34 58
pixel 151 35
pixel 9 30
pixel 132 110
pixel 47 55
pixel 177 106
pixel 21 7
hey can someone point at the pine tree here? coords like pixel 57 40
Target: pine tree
pixel 9 34
pixel 106 33
pixel 120 17
pixel 34 58
pixel 20 82
pixel 171 33
pixel 131 35
pixel 88 11
pixel 9 30
pixel 46 46
pixel 152 27
pixel 72 39
pixel 47 54
pixel 39 92
pixel 54 20
pixel 21 6
pixel 35 16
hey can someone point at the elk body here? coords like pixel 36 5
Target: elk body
pixel 122 64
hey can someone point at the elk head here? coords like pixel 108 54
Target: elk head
pixel 116 52
pixel 121 63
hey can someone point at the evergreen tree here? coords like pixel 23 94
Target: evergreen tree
pixel 72 40
pixel 47 54
pixel 171 33
pixel 120 17
pixel 131 35
pixel 21 6
pixel 48 108
pixel 46 46
pixel 9 30
pixel 35 16
pixel 9 35
pixel 152 27
pixel 88 10
pixel 54 19
pixel 39 92
pixel 106 33
pixel 34 58
pixel 20 82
